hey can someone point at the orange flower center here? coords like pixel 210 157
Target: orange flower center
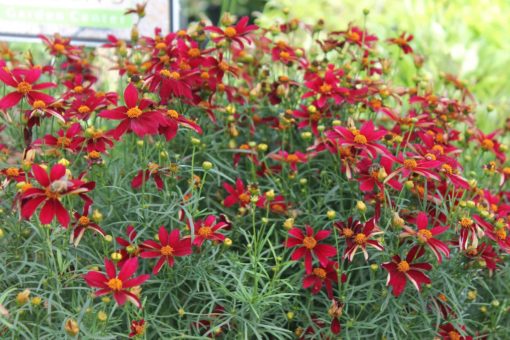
pixel 12 172
pixel 78 89
pixel 160 46
pixel 466 222
pixel 447 168
pixel 134 112
pixel 59 47
pixel 315 116
pixel 292 158
pixel 320 273
pixel 51 194
pixel 24 87
pixel 284 55
pixel 205 231
pixel 139 329
pixel 453 335
pixel 309 242
pixel 63 141
pixel 84 109
pixel 115 284
pixel 410 164
pixel 430 156
pixel 230 32
pixel 244 197
pixel 348 232
pixel 501 233
pixel 167 251
pixel 360 139
pixel 223 66
pixel 39 104
pixel 153 167
pixel 487 144
pixel 325 88
pixel 403 266
pixel 360 239
pixel 94 155
pixel 172 114
pixel 425 234
pixel 83 221
pixel 354 36
pixel 194 52
pixel 438 148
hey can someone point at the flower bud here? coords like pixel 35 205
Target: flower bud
pixel 227 242
pixel 101 316
pixel 331 214
pixel 471 295
pixel 108 238
pixel 71 327
pixel 289 223
pixel 23 297
pixel 207 165
pixel 116 256
pixel 290 315
pixel 374 267
pixel 64 162
pixel 361 206
pixel 262 147
pixel 195 141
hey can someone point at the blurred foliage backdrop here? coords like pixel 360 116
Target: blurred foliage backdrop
pixel 467 38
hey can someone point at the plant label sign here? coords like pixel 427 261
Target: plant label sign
pixel 84 20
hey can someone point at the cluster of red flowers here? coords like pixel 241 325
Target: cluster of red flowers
pixel 405 199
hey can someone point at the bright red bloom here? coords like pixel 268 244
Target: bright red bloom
pixel 208 230
pixel 364 139
pixel 308 246
pixel 133 116
pixel 137 328
pixel 469 231
pixel 170 245
pixel 81 224
pixel 144 175
pixel 399 271
pixel 237 32
pixel 54 186
pixel 490 143
pixel 484 255
pixel 238 195
pixel 71 140
pixel 403 42
pixel 322 276
pixel 416 165
pixel 496 233
pixel 118 284
pixel 23 81
pixel 449 332
pixel 129 248
pixel 372 174
pixel 357 36
pixel 361 239
pixel 173 120
pixel 426 236
pixel 290 158
pixel 278 205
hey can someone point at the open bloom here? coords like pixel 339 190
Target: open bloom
pixel 118 284
pixel 322 276
pixel 137 328
pixel 308 246
pixel 364 139
pixel 399 271
pixel 24 82
pixel 403 42
pixel 208 230
pixel 237 32
pixel 238 195
pixel 170 245
pixel 53 187
pixel 426 236
pixel 290 158
pixel 362 238
pixel 82 224
pixel 133 116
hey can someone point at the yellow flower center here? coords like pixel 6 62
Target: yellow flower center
pixel 316 116
pixel 360 139
pixel 403 266
pixel 320 273
pixel 223 66
pixel 78 89
pixel 292 158
pixel 447 168
pixel 430 156
pixel 194 52
pixel 63 141
pixel 425 234
pixel 230 32
pixel 83 221
pixel 309 242
pixel 160 46
pixel 284 55
pixel 51 194
pixel 466 222
pixel 140 329
pixel 172 114
pixel 501 233
pixel 354 36
pixel 24 87
pixel 84 109
pixel 12 172
pixel 134 112
pixel 205 231
pixel 487 144
pixel 326 88
pixel 39 104
pixel 115 284
pixel 94 155
pixel 59 47
pixel 167 251
pixel 360 239
pixel 153 167
pixel 410 164
pixel 438 148
pixel 165 73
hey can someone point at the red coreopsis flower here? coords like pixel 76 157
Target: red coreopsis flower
pixel 238 195
pixel 308 246
pixel 129 248
pixel 449 332
pixel 322 276
pixel 81 224
pixel 372 175
pixel 416 165
pixel 23 80
pixel 53 187
pixel 335 311
pixel 172 123
pixel 364 139
pixel 484 255
pixel 137 328
pixel 117 284
pixel 490 143
pixel 133 116
pixel 399 271
pixel 70 140
pixel 403 42
pixel 277 204
pixel 173 82
pixel 497 233
pixel 469 231
pixel 426 236
pixel 60 46
pixel 310 116
pixel 144 175
pixel 12 174
pixel 290 158
pixel 170 245
pixel 208 230
pixel 355 35
pixel 361 239
pixel 238 32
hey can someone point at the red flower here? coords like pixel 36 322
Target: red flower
pixel 24 83
pixel 490 143
pixel 53 188
pixel 426 236
pixel 364 139
pixel 238 195
pixel 322 276
pixel 172 122
pixel 361 239
pixel 448 332
pixel 133 117
pixel 82 223
pixel 372 174
pixel 469 230
pixel 416 165
pixel 208 230
pixel 290 158
pixel 399 271
pixel 308 246
pixel 403 42
pixel 237 32
pixel 137 328
pixel 169 246
pixel 498 233
pixel 144 175
pixel 355 35
pixel 118 284
pixel 129 248
pixel 71 140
